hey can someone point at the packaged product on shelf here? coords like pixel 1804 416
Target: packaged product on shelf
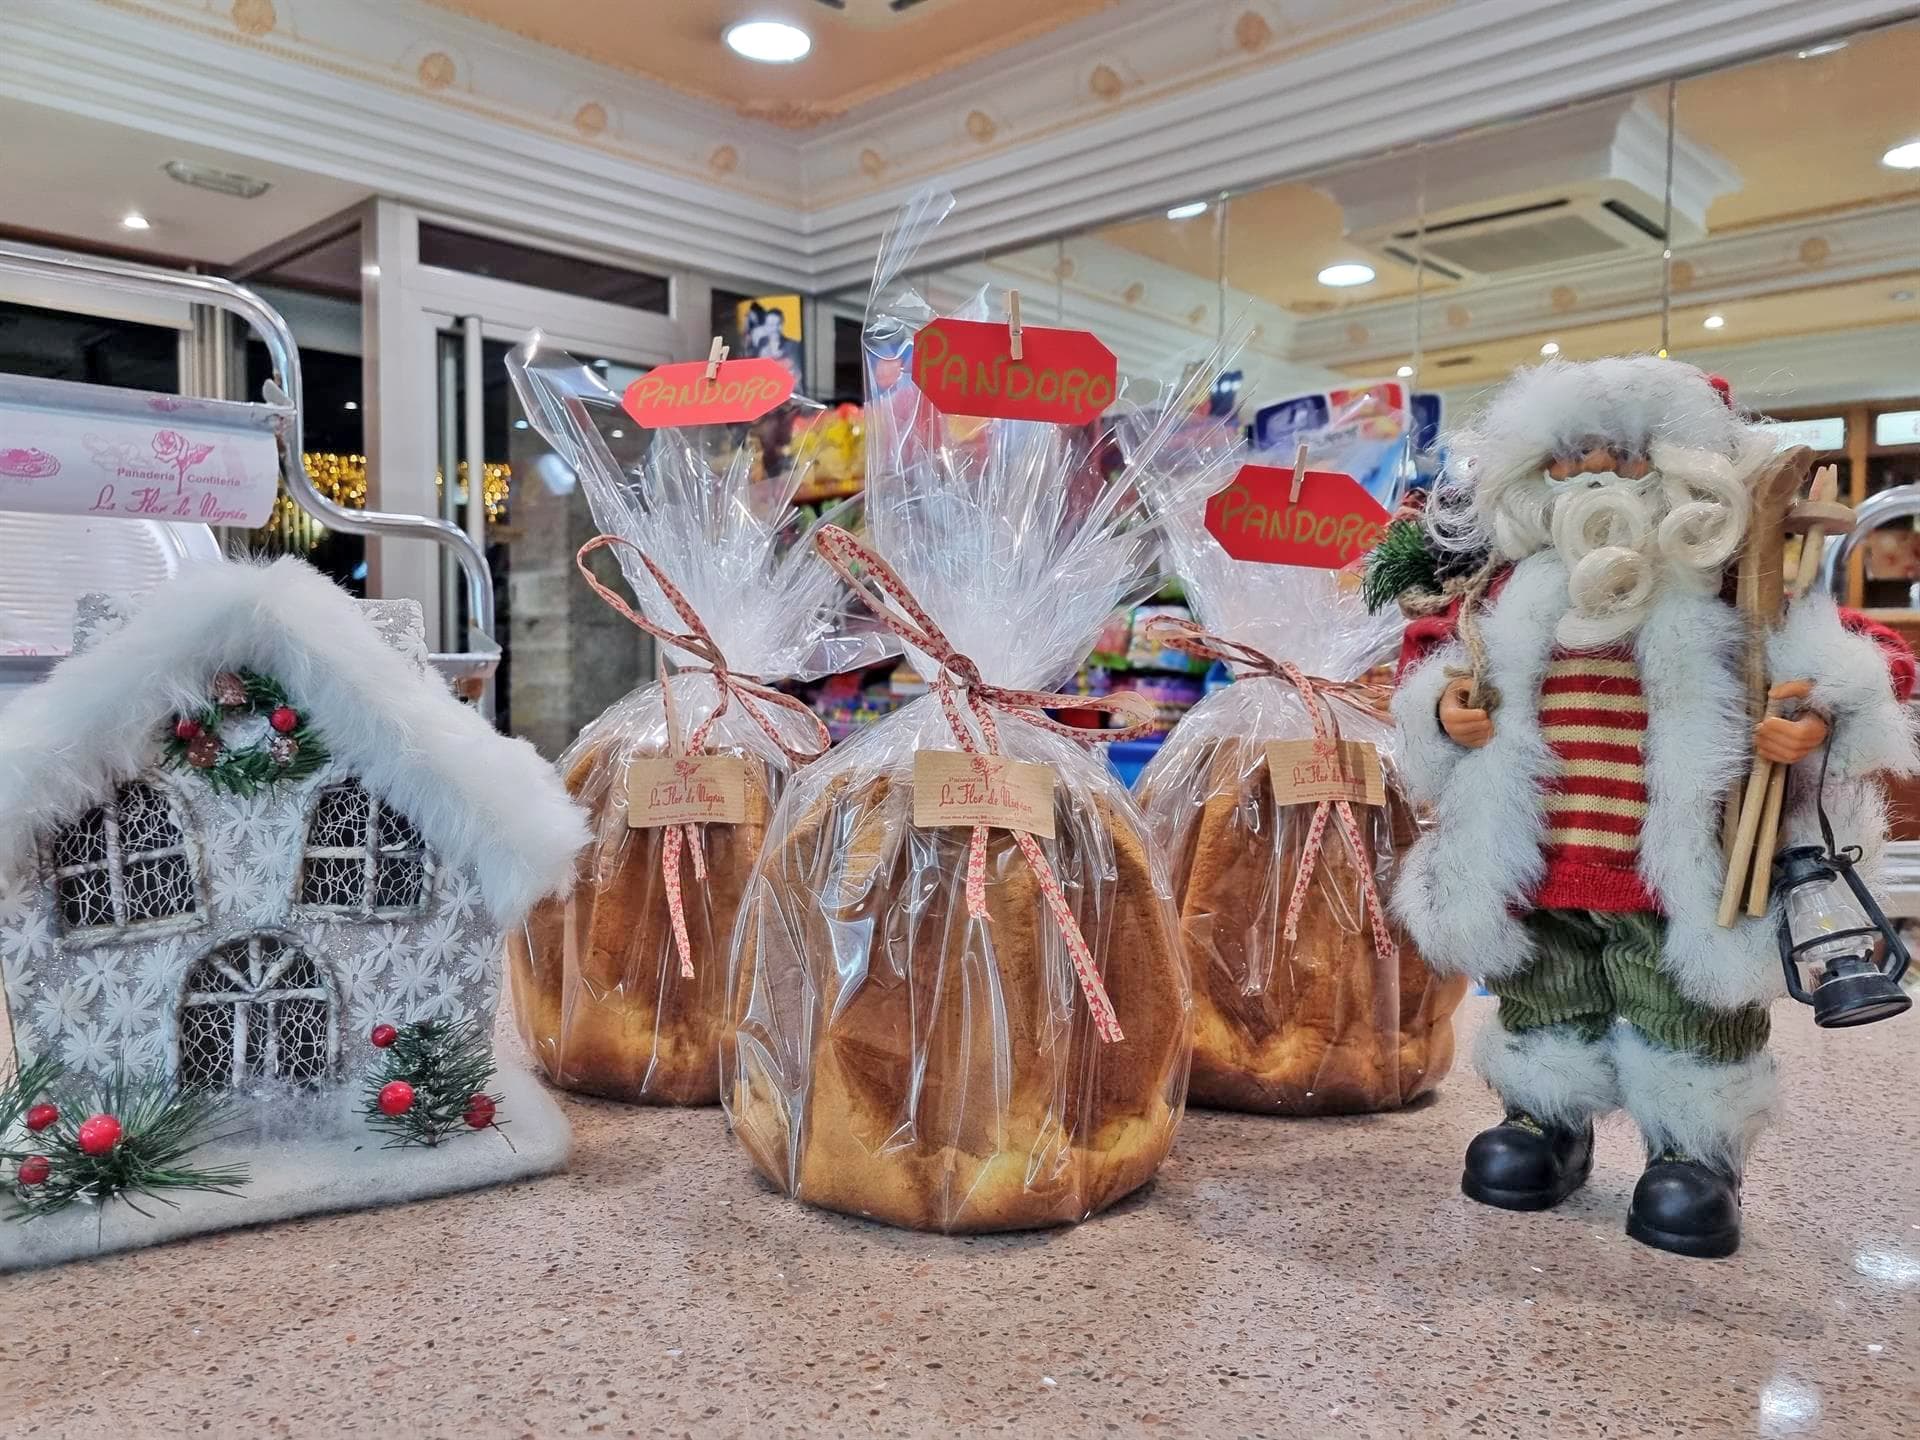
pixel 960 1001
pixel 1279 803
pixel 621 988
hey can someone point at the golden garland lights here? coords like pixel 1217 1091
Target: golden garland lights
pixel 343 480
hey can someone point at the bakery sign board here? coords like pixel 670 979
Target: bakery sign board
pixel 966 367
pixel 681 394
pixel 1331 522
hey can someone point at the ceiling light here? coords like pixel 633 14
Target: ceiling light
pixel 603 364
pixel 1714 322
pixel 772 42
pixel 1901 296
pixel 1814 52
pixel 1187 211
pixel 353 404
pixel 221 182
pixel 1347 272
pixel 134 220
pixel 519 424
pixel 1552 347
pixel 1903 157
pixel 1404 371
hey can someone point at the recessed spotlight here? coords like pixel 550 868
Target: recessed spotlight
pixel 1903 157
pixel 519 424
pixel 1814 52
pixel 1901 297
pixel 134 220
pixel 1404 371
pixel 1714 322
pixel 353 404
pixel 372 272
pixel 771 42
pixel 1187 211
pixel 618 434
pixel 1347 272
pixel 1552 347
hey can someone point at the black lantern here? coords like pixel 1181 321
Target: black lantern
pixel 1830 928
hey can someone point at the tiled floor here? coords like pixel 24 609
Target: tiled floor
pixel 1318 1278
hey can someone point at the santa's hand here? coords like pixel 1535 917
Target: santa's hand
pixel 1787 741
pixel 1464 725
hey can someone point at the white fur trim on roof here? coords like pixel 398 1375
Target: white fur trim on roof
pixel 480 798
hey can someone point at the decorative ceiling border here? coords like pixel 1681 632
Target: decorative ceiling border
pixel 625 174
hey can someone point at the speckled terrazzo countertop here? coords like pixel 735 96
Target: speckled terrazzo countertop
pixel 1305 1278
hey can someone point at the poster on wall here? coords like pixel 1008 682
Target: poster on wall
pixel 770 328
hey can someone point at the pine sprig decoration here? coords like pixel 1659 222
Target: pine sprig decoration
pixel 158 1125
pixel 24 1087
pixel 443 1072
pixel 1401 562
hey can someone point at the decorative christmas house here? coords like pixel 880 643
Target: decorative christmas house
pixel 244 826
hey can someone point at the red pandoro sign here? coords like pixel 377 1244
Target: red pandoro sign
pixel 1332 523
pixel 682 395
pixel 966 367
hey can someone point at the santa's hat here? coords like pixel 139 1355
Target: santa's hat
pixel 1627 404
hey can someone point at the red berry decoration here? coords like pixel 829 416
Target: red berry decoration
pixel 34 1170
pixel 186 728
pixel 396 1097
pixel 285 719
pixel 42 1115
pixel 99 1134
pixel 383 1036
pixel 480 1111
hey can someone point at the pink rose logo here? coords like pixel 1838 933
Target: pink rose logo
pixel 171 445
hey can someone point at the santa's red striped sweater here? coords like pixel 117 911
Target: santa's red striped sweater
pixel 1594 718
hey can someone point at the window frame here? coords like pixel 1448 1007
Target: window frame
pixel 249 997
pixel 369 853
pixel 115 863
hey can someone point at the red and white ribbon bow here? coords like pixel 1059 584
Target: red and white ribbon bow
pixel 1317 695
pixel 957 680
pixel 753 696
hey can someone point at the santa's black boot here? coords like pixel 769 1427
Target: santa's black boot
pixel 1687 1207
pixel 1527 1164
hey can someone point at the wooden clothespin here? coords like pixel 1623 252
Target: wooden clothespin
pixel 1013 323
pixel 1299 474
pixel 714 357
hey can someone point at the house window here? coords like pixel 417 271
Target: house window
pixel 255 1009
pixel 123 863
pixel 362 856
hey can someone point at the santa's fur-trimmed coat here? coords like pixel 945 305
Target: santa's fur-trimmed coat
pixel 1464 888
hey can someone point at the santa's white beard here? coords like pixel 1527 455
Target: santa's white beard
pixel 1625 540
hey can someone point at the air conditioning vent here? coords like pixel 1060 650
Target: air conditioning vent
pixel 1453 362
pixel 1527 244
pixel 1407 258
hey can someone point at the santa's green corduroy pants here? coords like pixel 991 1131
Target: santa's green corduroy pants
pixel 1591 966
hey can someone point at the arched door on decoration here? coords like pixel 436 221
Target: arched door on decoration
pixel 256 1009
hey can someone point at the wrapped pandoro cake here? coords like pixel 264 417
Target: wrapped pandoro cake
pixel 1280 805
pixel 960 1000
pixel 620 988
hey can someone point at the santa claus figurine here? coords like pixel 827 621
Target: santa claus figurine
pixel 1573 706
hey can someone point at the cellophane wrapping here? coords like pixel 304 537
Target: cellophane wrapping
pixel 895 1058
pixel 595 977
pixel 1324 1024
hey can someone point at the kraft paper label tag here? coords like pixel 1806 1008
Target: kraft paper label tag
pixel 688 790
pixel 1302 775
pixel 951 788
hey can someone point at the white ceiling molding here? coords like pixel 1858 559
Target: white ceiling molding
pixel 1788 372
pixel 1858 245
pixel 483 125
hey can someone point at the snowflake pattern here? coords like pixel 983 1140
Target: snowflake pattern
pixel 108 1002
